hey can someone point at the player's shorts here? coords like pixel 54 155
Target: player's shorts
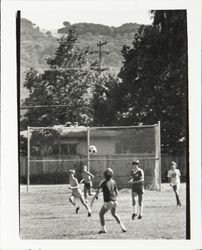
pixel 110 204
pixel 87 185
pixel 176 187
pixel 77 193
pixel 138 189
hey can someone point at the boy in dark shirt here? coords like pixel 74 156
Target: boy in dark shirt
pixel 137 181
pixel 110 194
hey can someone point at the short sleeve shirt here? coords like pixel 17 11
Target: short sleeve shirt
pixel 174 175
pixel 73 182
pixel 86 177
pixel 109 190
pixel 137 176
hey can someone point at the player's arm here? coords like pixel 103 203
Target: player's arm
pixel 131 177
pixel 81 181
pixel 169 179
pixel 91 175
pixel 73 187
pixel 116 190
pixel 76 185
pixel 95 196
pixel 97 193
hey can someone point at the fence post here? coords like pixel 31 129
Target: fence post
pixel 88 144
pixel 28 158
pixel 159 152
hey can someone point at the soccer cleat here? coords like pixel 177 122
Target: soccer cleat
pixel 102 232
pixel 139 217
pixel 124 230
pixel 179 205
pixel 89 214
pixel 77 210
pixel 133 216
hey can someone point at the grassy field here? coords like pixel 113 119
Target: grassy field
pixel 46 213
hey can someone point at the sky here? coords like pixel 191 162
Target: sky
pixel 51 16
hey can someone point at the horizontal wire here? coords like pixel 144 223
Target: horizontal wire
pixel 74 160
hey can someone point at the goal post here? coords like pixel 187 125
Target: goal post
pixel 52 151
pixel 118 146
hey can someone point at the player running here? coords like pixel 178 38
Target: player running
pixel 110 194
pixel 174 180
pixel 87 177
pixel 137 181
pixel 76 193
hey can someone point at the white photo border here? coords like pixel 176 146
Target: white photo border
pixel 9 231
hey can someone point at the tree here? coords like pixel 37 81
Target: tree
pixel 106 94
pixel 68 82
pixel 44 141
pixel 154 78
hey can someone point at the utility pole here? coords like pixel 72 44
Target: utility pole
pixel 99 45
pixel 100 52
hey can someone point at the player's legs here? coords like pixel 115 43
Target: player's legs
pixel 102 212
pixel 85 191
pixel 176 191
pixel 134 204
pixel 84 203
pixel 89 189
pixel 115 215
pixel 72 200
pixel 140 202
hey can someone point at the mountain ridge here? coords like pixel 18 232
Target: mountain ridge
pixel 38 44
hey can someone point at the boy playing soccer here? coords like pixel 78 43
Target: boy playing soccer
pixel 110 194
pixel 174 180
pixel 76 193
pixel 87 177
pixel 137 181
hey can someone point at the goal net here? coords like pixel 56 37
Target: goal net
pixel 52 151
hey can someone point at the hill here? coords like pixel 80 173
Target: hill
pixel 38 44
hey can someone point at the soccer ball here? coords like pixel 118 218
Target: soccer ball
pixel 92 149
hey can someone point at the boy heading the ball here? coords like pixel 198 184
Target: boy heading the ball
pixel 137 181
pixel 110 194
pixel 174 180
pixel 76 193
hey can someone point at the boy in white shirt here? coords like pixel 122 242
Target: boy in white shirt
pixel 174 180
pixel 76 193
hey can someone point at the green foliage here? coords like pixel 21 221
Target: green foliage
pixel 99 29
pixel 154 78
pixel 68 82
pixel 151 85
pixel 105 96
pixel 23 146
pixel 43 141
pixel 36 46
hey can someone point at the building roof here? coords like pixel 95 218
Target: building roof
pixel 78 132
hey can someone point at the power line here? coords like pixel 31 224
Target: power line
pixel 42 106
pixel 73 68
pixel 100 44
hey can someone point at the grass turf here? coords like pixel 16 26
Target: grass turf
pixel 46 213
